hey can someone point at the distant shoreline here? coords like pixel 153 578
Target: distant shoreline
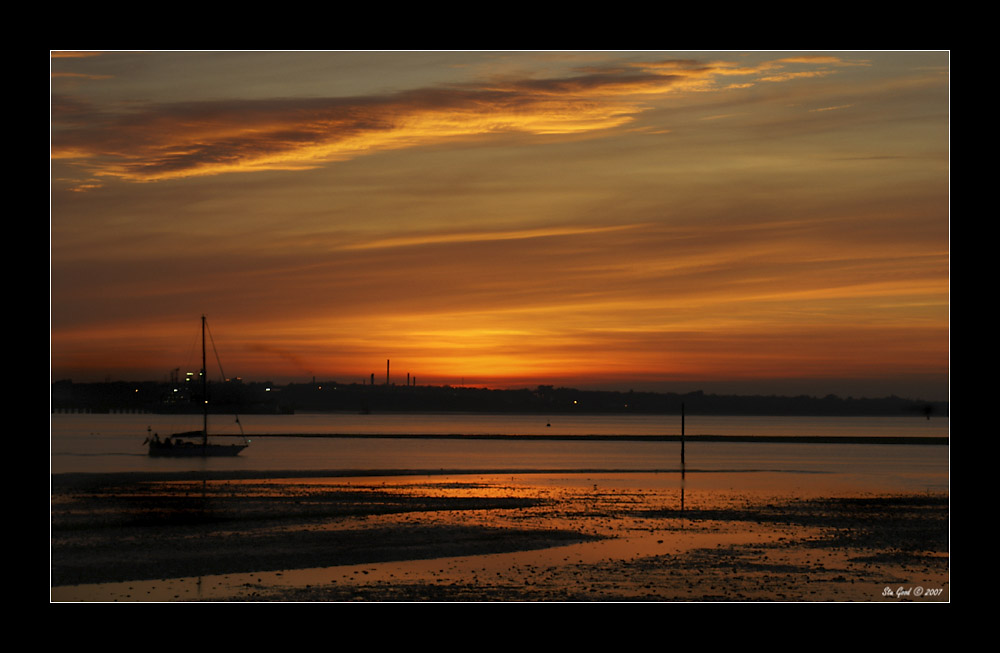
pixel 264 398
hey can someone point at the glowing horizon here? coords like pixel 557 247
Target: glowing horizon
pixel 599 219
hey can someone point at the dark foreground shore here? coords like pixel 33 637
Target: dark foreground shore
pixel 582 536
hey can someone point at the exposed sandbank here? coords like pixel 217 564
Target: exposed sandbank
pixel 668 545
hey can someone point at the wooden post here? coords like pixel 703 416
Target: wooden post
pixel 682 458
pixel 682 436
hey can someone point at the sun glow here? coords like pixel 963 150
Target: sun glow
pixel 505 218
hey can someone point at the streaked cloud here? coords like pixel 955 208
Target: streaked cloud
pixel 471 237
pixel 143 142
pixel 837 108
pixel 79 76
pixel 70 54
pixel 785 77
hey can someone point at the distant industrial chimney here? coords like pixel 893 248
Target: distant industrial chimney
pixel 387 371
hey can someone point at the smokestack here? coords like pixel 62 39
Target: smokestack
pixel 387 371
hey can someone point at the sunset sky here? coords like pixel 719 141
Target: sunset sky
pixel 745 222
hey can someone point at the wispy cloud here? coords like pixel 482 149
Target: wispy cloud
pixel 143 143
pixel 79 76
pixel 71 54
pixel 836 108
pixel 183 140
pixel 471 237
pixel 802 74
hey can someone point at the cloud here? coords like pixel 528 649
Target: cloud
pixel 836 108
pixel 150 142
pixel 471 237
pixel 784 77
pixel 816 59
pixel 69 54
pixel 80 76
pixel 183 140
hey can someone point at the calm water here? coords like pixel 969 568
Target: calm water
pixel 113 443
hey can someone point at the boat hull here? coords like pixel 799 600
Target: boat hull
pixel 193 450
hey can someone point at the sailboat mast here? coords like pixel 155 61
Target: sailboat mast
pixel 204 387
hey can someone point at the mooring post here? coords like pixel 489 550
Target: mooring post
pixel 682 436
pixel 682 458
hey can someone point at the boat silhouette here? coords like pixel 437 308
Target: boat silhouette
pixel 194 443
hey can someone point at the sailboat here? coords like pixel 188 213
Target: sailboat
pixel 194 443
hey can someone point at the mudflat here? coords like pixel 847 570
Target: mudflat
pixel 486 536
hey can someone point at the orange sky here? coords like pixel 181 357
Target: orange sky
pixel 734 222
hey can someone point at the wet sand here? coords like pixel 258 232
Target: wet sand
pixel 488 536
